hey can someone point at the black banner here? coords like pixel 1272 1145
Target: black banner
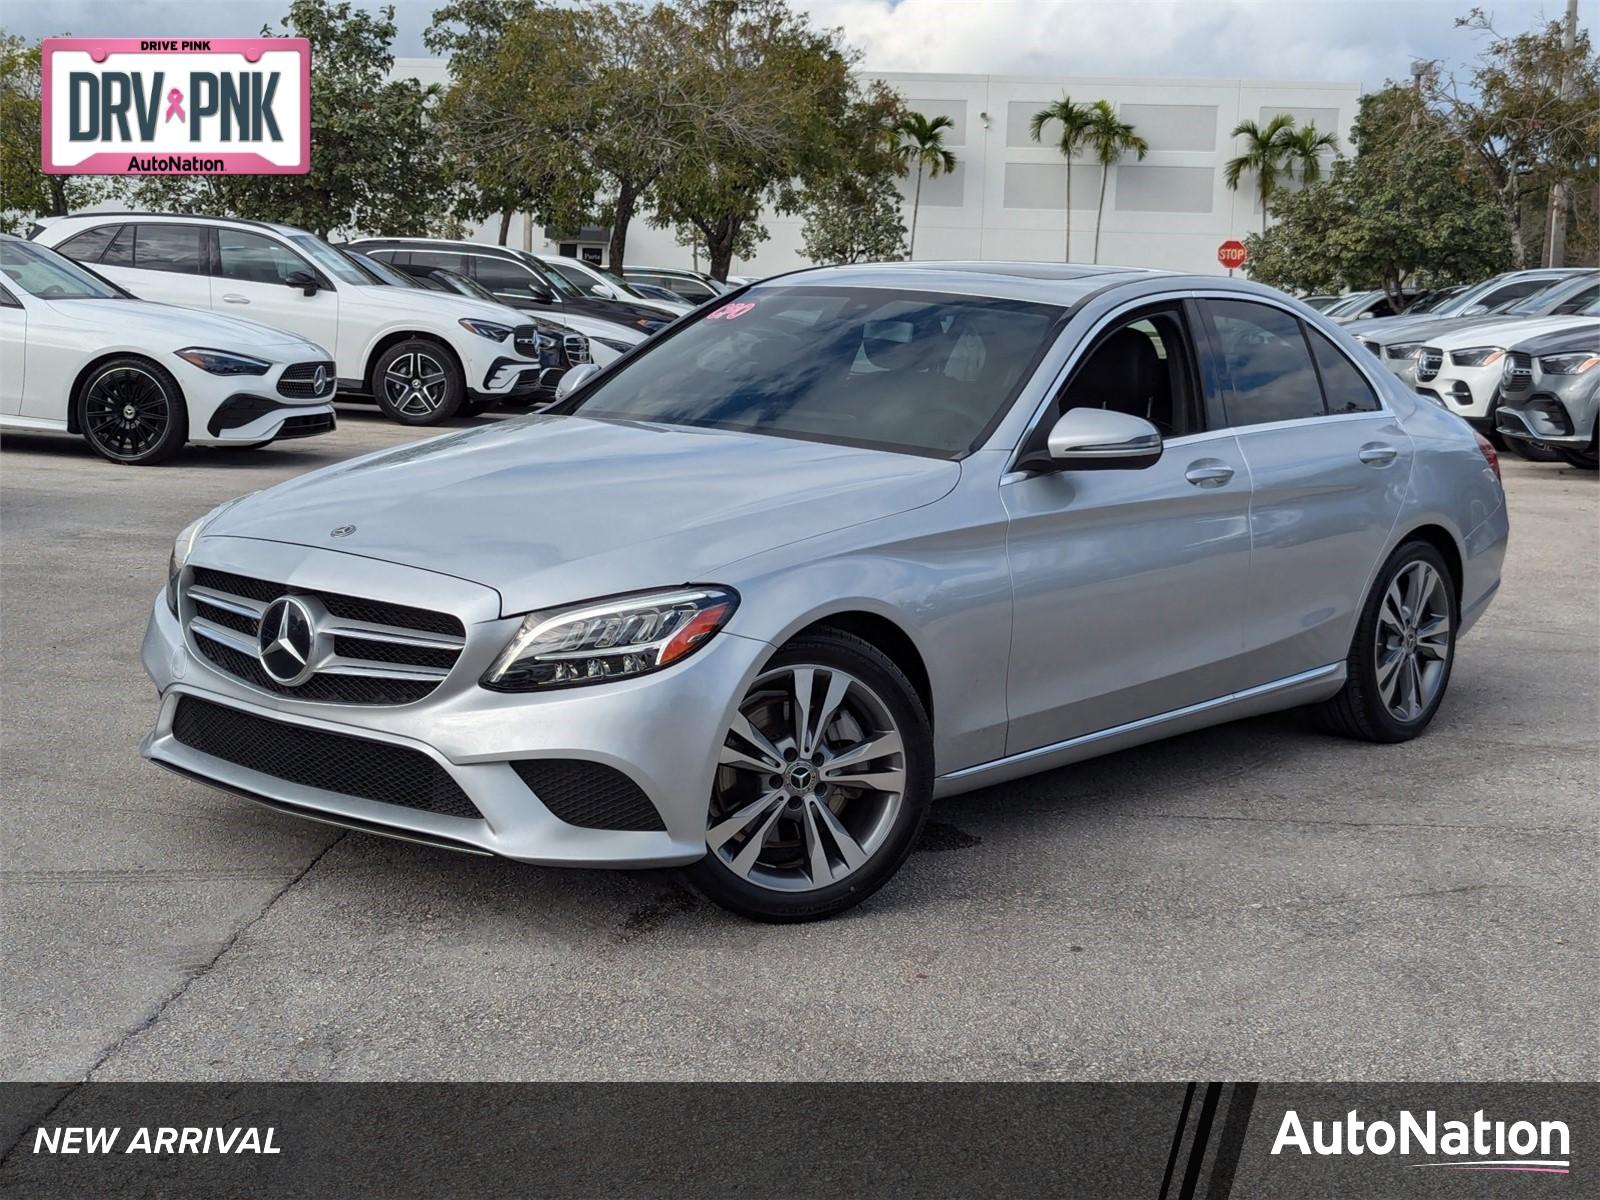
pixel 1198 1141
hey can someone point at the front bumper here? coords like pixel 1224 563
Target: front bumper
pixel 663 731
pixel 1543 418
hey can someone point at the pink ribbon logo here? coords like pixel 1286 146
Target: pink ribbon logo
pixel 175 105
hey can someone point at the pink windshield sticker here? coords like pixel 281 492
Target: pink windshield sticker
pixel 731 312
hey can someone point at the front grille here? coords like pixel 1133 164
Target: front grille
pixel 333 762
pixel 308 425
pixel 526 340
pixel 1517 375
pixel 299 380
pixel 373 652
pixel 1430 360
pixel 576 347
pixel 587 794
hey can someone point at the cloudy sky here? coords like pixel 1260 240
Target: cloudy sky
pixel 1365 41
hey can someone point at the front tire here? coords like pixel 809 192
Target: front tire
pixel 417 382
pixel 1401 656
pixel 825 780
pixel 132 412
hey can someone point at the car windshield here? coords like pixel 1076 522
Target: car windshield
pixel 1348 305
pixel 43 273
pixel 1428 303
pixel 329 259
pixel 557 282
pixel 462 285
pixel 383 272
pixel 1544 301
pixel 915 372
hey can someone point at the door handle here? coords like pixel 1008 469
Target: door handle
pixel 1209 474
pixel 1376 454
pixel 235 298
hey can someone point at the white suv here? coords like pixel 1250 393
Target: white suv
pixel 422 356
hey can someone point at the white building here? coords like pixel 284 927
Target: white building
pixel 1006 197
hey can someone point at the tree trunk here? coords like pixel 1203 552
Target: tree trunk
pixel 58 195
pixel 1069 210
pixel 627 201
pixel 1099 212
pixel 916 203
pixel 505 226
pixel 720 240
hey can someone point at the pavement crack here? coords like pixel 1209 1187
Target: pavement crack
pixel 1563 830
pixel 177 994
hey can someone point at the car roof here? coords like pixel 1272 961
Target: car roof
pixel 1039 282
pixel 1504 332
pixel 450 243
pixel 159 217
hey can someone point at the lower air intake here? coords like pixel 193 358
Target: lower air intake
pixel 589 795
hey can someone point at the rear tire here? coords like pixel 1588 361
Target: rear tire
pixel 789 836
pixel 132 411
pixel 417 382
pixel 1402 653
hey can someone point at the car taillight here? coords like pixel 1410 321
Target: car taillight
pixel 1486 448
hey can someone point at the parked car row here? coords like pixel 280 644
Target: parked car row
pixel 1526 338
pixel 100 336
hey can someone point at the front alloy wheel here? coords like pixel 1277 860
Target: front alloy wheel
pixel 824 780
pixel 417 383
pixel 131 411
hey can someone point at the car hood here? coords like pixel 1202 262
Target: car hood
pixel 548 510
pixel 168 327
pixel 449 306
pixel 1504 331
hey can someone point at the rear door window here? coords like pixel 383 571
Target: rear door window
pixel 1344 386
pixel 88 246
pixel 176 248
pixel 1266 362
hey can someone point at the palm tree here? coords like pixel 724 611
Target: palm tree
pixel 1109 138
pixel 1074 120
pixel 1305 146
pixel 1266 154
pixel 921 141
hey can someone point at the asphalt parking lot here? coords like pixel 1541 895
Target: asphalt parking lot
pixel 1256 901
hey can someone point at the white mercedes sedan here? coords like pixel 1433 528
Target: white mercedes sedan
pixel 78 354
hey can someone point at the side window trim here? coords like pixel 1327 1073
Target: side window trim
pixel 7 300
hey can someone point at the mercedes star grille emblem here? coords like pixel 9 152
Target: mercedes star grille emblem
pixel 319 381
pixel 341 531
pixel 285 641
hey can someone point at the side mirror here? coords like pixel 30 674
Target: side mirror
pixel 575 379
pixel 600 289
pixel 304 280
pixel 1097 439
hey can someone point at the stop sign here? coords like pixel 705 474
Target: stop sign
pixel 1231 254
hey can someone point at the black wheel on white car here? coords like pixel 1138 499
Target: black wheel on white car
pixel 1400 659
pixel 417 382
pixel 824 782
pixel 132 411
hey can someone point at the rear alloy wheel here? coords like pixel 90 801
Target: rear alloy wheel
pixel 131 411
pixel 1400 660
pixel 824 782
pixel 416 382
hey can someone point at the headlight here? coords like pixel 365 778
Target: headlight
pixel 1568 364
pixel 223 362
pixel 1476 356
pixel 183 546
pixel 1403 350
pixel 610 639
pixel 488 329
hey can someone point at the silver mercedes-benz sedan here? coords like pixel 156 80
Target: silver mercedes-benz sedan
pixel 857 537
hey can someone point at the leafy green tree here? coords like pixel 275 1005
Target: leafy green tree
pixel 1528 112
pixel 771 106
pixel 1109 139
pixel 921 145
pixel 1404 212
pixel 25 190
pixel 1267 150
pixel 1073 120
pixel 375 161
pixel 850 221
